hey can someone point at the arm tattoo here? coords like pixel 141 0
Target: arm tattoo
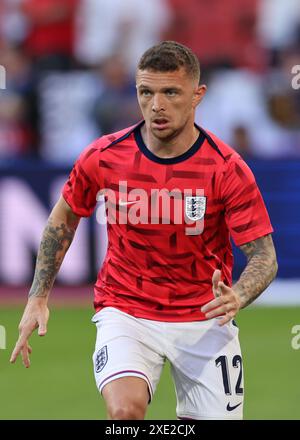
pixel 260 270
pixel 56 240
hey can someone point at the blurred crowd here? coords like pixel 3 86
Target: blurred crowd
pixel 70 67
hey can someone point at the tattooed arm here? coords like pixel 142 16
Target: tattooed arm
pixel 56 240
pixel 260 271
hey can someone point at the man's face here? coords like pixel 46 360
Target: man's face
pixel 167 100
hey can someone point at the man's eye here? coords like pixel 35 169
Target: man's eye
pixel 171 92
pixel 145 93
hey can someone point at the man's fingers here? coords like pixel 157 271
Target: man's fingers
pixel 17 350
pixel 215 279
pixel 18 347
pixel 42 323
pixel 25 356
pixel 225 304
pixel 224 289
pixel 25 350
pixel 218 306
pixel 25 333
pixel 42 329
pixel 226 318
pixel 15 354
pixel 35 316
pixel 216 312
pixel 212 305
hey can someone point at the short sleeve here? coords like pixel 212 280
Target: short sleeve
pixel 245 212
pixel 81 189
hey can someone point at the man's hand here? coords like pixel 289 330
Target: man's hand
pixel 56 240
pixel 227 302
pixel 36 315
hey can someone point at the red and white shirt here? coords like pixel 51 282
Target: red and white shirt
pixel 169 221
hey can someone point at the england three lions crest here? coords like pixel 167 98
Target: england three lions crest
pixel 101 359
pixel 195 207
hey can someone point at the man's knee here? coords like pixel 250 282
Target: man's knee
pixel 127 410
pixel 126 398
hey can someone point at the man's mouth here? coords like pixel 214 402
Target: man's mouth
pixel 160 123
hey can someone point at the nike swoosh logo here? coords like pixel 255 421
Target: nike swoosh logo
pixel 122 203
pixel 231 408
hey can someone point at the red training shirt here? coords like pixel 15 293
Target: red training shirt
pixel 164 247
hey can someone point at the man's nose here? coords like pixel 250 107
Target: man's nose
pixel 158 103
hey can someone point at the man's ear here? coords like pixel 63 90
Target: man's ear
pixel 199 94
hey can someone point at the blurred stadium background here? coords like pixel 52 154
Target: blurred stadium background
pixel 70 78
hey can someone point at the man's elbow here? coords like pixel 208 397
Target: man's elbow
pixel 62 211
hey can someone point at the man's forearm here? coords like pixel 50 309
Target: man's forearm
pixel 260 270
pixel 56 240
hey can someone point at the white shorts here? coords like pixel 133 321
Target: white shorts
pixel 206 362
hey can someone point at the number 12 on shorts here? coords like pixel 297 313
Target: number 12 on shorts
pixel 236 363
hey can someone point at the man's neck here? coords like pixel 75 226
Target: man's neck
pixel 172 147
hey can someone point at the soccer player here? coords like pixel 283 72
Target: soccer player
pixel 174 195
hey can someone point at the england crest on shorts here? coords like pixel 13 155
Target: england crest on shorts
pixel 101 359
pixel 195 207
